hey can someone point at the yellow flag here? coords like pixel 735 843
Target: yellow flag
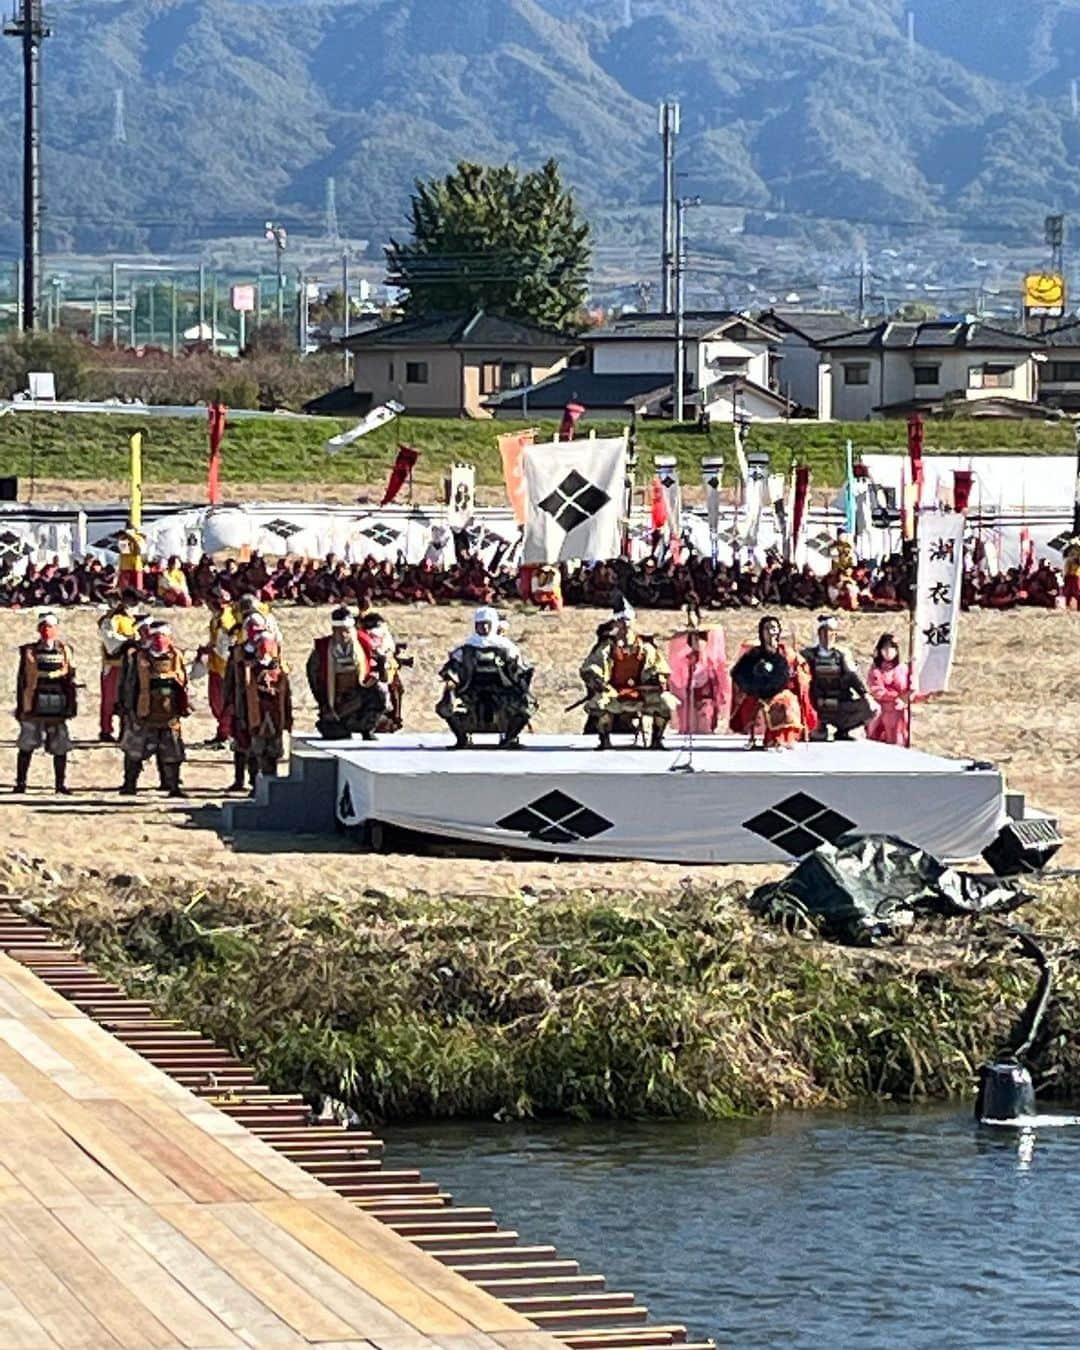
pixel 136 481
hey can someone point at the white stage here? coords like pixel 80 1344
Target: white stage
pixel 559 796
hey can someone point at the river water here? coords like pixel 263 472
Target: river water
pixel 880 1228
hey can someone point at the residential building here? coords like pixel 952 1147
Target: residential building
pixel 896 368
pixel 800 333
pixel 1059 378
pixel 629 371
pixel 448 365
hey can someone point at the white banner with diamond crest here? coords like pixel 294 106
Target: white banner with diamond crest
pixel 575 500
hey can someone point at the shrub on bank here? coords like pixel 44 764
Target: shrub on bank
pixel 423 1007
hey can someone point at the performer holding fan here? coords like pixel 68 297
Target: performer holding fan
pixel 772 692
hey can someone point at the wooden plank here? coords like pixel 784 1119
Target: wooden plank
pixel 171 1161
pixel 24 1151
pixel 189 1320
pixel 104 1298
pixel 274 1287
pixel 419 1271
pixel 366 1313
pixel 57 1311
pixel 244 1181
pixel 216 1289
pixel 26 1050
pixel 111 1152
pixel 19 1329
pixel 21 989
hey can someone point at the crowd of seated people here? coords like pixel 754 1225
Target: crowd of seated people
pixel 650 583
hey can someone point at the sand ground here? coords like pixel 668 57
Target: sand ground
pixel 1015 700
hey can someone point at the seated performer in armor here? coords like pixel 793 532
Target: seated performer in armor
pixel 626 674
pixel 836 687
pixel 154 697
pixel 487 685
pixel 393 655
pixel 347 680
pixel 44 701
pixel 771 700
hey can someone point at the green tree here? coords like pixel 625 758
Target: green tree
pixel 495 239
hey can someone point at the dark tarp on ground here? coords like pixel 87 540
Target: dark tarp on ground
pixel 870 885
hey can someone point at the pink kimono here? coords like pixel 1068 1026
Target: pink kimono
pixel 889 685
pixel 711 697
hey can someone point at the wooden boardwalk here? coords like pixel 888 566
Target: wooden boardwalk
pixel 154 1194
pixel 132 1213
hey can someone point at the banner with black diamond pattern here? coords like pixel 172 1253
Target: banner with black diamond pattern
pixel 575 496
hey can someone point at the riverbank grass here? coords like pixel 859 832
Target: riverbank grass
pixel 416 1007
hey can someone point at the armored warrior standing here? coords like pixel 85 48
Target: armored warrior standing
pixel 154 698
pixel 45 702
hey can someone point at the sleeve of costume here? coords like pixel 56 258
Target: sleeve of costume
pixel 594 669
pixel 314 677
pixel 802 678
pixel 854 678
pixel 20 685
pixel 882 688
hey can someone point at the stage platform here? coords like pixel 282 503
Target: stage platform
pixel 559 796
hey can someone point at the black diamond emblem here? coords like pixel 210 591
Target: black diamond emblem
pixel 555 818
pixel 283 528
pixel 346 809
pixel 1059 541
pixel 384 535
pixel 800 824
pixel 109 543
pixel 574 501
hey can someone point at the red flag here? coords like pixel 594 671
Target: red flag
pixel 659 505
pixel 572 415
pixel 216 414
pixel 962 480
pixel 915 447
pixel 798 509
pixel 400 473
pixel 1027 551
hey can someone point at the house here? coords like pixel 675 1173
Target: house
pixel 629 371
pixel 447 365
pixel 799 335
pixel 1059 378
pixel 896 368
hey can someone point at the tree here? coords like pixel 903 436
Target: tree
pixel 496 239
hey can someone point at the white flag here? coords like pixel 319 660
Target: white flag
pixel 667 470
pixel 377 417
pixel 757 487
pixel 462 499
pixel 575 494
pixel 741 427
pixel 937 599
pixel 712 473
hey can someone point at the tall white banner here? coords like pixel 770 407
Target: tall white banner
pixel 712 474
pixel 937 599
pixel 575 495
pixel 757 489
pixel 667 470
pixel 461 504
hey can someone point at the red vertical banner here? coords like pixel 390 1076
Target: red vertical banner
pixel 659 507
pixel 798 508
pixel 962 481
pixel 400 473
pixel 915 453
pixel 572 415
pixel 216 418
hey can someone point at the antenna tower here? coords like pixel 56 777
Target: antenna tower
pixel 28 25
pixel 332 231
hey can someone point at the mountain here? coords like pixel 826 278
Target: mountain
pixel 236 110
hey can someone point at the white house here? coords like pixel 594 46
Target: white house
pixel 1059 378
pixel 629 370
pixel 800 333
pixel 896 368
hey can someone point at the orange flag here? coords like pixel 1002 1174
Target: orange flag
pixel 512 449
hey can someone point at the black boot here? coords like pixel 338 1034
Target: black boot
pixel 604 741
pixel 461 736
pixel 511 737
pixel 132 769
pixel 656 741
pixel 60 775
pixel 22 769
pixel 253 773
pixel 170 780
pixel 239 760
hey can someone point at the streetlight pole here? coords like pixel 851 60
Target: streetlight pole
pixel 279 237
pixel 684 205
pixel 345 313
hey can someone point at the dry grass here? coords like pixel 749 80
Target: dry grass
pixel 1015 701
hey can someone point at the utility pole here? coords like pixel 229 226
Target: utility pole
pixel 97 312
pixel 345 313
pixel 20 295
pixel 301 312
pixel 669 122
pixel 28 26
pixel 202 300
pixel 174 322
pixel 213 312
pixel 279 236
pixel 114 305
pixel 683 205
pixel 333 233
pixel 862 289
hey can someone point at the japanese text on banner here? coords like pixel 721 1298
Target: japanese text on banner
pixel 937 604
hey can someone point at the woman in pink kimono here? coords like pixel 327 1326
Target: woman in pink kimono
pixel 890 687
pixel 699 679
